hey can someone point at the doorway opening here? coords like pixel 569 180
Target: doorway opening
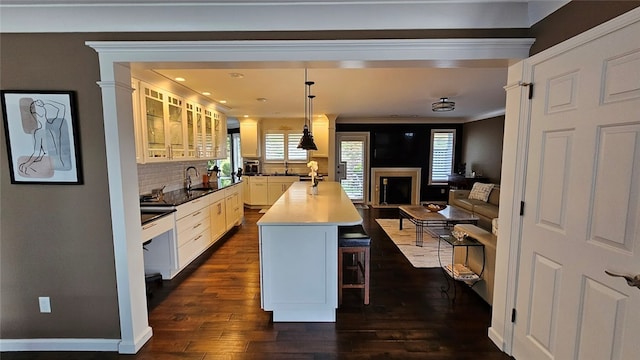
pixel 352 151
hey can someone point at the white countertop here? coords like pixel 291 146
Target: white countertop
pixel 296 206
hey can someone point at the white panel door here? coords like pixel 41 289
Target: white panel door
pixel 582 205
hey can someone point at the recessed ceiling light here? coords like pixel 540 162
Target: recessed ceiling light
pixel 223 101
pixel 261 99
pixel 236 75
pixel 180 79
pixel 246 116
pixel 206 93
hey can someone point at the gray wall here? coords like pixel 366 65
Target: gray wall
pixel 56 240
pixel 482 147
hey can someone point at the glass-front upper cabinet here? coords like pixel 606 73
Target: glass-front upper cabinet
pixel 220 134
pixel 194 132
pixel 176 127
pixel 209 145
pixel 164 126
pixel 155 140
pixel 169 128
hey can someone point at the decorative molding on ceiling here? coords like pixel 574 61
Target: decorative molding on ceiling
pixel 35 16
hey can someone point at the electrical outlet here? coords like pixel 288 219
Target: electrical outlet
pixel 45 304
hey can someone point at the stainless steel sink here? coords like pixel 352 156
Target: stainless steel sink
pixel 199 189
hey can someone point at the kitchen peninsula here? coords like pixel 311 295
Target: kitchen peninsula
pixel 299 252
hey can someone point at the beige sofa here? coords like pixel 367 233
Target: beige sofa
pixel 484 287
pixel 486 233
pixel 485 211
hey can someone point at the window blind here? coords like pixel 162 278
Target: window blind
pixel 280 146
pixel 274 146
pixel 293 153
pixel 442 145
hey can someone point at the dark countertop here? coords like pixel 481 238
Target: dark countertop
pixel 147 216
pixel 181 196
pixel 303 177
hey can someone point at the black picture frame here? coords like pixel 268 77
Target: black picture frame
pixel 41 130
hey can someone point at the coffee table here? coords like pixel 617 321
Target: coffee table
pixel 435 223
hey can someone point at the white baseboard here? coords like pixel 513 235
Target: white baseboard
pixel 133 347
pixel 496 338
pixel 59 344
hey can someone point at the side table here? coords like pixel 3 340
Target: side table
pixel 459 272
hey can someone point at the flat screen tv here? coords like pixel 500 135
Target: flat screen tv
pixel 396 148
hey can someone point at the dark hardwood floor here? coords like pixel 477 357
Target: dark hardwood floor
pixel 212 311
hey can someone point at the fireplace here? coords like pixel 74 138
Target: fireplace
pixel 395 186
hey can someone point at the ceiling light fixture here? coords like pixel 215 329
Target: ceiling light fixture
pixel 206 93
pixel 181 79
pixel 443 105
pixel 306 141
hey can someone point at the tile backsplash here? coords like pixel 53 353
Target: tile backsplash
pixel 171 174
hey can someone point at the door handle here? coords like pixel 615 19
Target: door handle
pixel 631 280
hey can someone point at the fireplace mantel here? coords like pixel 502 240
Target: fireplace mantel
pixel 380 172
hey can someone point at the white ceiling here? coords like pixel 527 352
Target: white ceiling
pixel 347 89
pixel 389 91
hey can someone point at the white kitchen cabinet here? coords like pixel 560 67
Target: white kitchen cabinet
pixel 162 126
pixel 170 128
pixel 193 229
pixel 232 206
pixel 320 130
pixel 220 135
pixel 258 195
pixel 217 209
pixel 249 138
pixel 278 185
pixel 137 126
pixel 194 130
pixel 246 191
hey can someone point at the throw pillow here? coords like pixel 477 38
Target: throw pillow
pixel 480 191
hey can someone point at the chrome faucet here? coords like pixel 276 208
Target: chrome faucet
pixel 187 177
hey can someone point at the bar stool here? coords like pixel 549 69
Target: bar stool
pixel 353 240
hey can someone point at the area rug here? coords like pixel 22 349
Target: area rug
pixel 405 239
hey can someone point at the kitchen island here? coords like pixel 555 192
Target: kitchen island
pixel 299 252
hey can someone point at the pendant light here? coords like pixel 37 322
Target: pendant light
pixel 306 141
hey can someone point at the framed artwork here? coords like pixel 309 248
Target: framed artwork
pixel 42 136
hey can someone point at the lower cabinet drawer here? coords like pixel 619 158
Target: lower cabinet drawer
pixel 191 248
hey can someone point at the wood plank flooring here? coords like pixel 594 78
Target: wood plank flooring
pixel 212 311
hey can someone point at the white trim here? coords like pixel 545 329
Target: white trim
pixel 488 115
pixel 378 172
pixel 316 50
pixel 115 60
pixel 59 344
pixel 35 16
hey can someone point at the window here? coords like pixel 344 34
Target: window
pixel 233 161
pixel 283 146
pixel 442 151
